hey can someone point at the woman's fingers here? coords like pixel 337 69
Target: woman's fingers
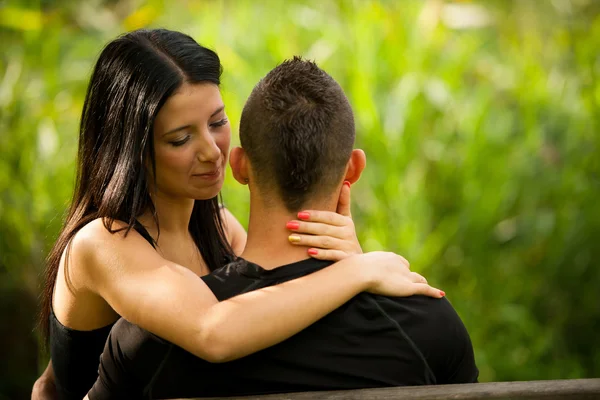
pixel 329 230
pixel 322 242
pixel 331 255
pixel 317 228
pixel 417 278
pixel 325 217
pixel 404 261
pixel 426 290
pixel 343 207
pixel 393 276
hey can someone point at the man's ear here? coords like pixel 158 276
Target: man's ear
pixel 238 160
pixel 355 166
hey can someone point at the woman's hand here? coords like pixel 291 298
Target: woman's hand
pixel 392 276
pixel 329 235
pixel 44 389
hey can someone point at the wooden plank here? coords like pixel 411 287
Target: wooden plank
pixel 579 389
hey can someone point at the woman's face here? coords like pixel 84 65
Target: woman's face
pixel 191 143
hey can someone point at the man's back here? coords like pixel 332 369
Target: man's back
pixel 371 341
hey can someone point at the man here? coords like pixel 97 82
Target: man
pixel 297 134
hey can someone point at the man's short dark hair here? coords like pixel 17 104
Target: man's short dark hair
pixel 297 128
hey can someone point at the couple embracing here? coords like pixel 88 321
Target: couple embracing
pixel 154 278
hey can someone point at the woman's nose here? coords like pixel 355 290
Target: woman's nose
pixel 208 151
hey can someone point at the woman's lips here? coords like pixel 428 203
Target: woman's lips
pixel 212 175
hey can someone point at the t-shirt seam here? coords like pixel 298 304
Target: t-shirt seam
pixel 407 338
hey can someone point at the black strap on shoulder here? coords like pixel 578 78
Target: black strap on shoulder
pixel 144 232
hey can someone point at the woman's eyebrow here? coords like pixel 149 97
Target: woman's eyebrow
pixel 218 110
pixel 176 130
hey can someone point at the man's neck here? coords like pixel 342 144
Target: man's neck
pixel 268 244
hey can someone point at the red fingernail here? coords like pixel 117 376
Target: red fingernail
pixel 442 293
pixel 303 215
pixel 347 183
pixel 313 252
pixel 292 225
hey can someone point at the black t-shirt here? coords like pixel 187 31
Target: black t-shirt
pixel 371 341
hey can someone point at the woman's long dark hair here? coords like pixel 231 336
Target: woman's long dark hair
pixel 134 76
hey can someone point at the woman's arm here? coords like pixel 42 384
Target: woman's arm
pixel 173 303
pixel 45 388
pixel 270 315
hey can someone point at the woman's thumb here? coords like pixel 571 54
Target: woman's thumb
pixel 344 202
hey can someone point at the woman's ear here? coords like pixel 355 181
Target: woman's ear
pixel 239 165
pixel 356 165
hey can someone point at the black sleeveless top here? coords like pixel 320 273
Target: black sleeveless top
pixel 76 354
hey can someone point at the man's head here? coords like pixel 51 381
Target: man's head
pixel 297 133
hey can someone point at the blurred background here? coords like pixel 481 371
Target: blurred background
pixel 479 119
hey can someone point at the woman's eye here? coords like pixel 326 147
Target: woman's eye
pixel 219 123
pixel 180 142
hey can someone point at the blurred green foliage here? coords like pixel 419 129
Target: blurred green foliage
pixel 479 119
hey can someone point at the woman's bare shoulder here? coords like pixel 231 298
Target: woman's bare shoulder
pixel 96 231
pixel 95 244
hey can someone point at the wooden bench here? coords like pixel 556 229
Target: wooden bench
pixel 578 389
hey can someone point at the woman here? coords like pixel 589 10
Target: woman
pixel 151 164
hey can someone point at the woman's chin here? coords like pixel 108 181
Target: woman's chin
pixel 207 193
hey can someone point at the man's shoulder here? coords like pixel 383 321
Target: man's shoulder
pixel 417 304
pixel 429 322
pixel 438 331
pixel 424 312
